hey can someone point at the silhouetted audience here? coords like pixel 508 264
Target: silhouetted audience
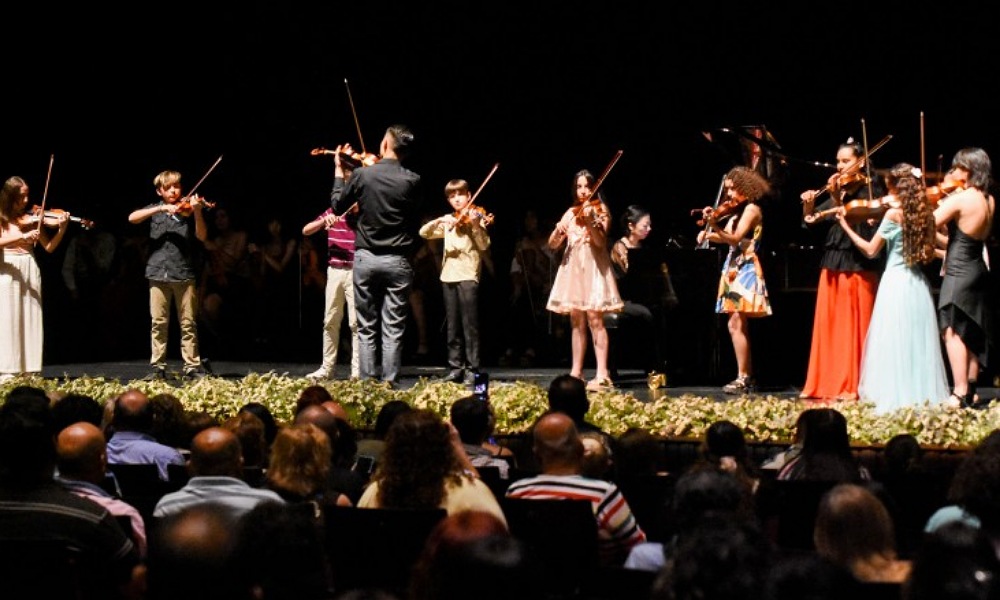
pixel 133 441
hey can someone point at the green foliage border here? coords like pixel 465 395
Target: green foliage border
pixel 517 404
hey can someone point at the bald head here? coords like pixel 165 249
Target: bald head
pixel 320 417
pixel 557 443
pixel 216 451
pixel 81 452
pixel 133 412
pixel 337 410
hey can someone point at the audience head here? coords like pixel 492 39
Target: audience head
pixel 266 417
pixel 169 420
pixel 976 486
pixel 387 415
pixel 300 460
pixel 902 453
pixel 133 412
pixel 598 459
pixel 216 452
pixel 568 394
pixel 313 395
pixel 639 452
pixel 955 562
pixel 418 459
pixel 73 408
pixel 852 526
pixel 250 431
pixel 719 559
pixel 557 444
pixel 280 553
pixel 337 409
pixel 82 452
pixel 27 438
pixel 495 567
pixel 472 418
pixel 808 576
pixel 191 555
pixel 707 494
pixel 444 542
pixel 320 417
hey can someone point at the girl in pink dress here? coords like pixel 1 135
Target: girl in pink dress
pixel 584 286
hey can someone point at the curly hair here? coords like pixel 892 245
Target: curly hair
pixel 748 183
pixel 418 462
pixel 918 219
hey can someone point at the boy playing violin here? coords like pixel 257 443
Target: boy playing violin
pixel 170 271
pixel 465 240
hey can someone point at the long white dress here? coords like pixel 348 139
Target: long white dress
pixel 902 364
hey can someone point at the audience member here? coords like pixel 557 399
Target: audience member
pixel 699 496
pixel 33 507
pixel 854 530
pixel 974 492
pixel 725 449
pixel 557 445
pixel 216 477
pixel 372 448
pixel 568 394
pixel 445 541
pixel 425 466
pixel 73 408
pixel 598 459
pixel 169 421
pixel 955 562
pixel 720 559
pixel 826 451
pixel 132 441
pixel 299 469
pixel 779 460
pixel 473 418
pixel 807 576
pixel 343 476
pixel 82 463
pixel 639 453
pixel 249 429
pixel 192 556
pixel 280 554
pixel 266 416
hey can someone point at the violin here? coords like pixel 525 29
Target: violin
pixel 941 191
pixel 723 210
pixel 862 207
pixel 464 216
pixel 51 217
pixel 185 208
pixel 354 160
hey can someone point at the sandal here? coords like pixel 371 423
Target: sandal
pixel 600 385
pixel 744 384
pixel 954 401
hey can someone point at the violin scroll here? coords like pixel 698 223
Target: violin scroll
pixel 353 160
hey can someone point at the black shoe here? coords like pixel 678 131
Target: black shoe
pixel 194 374
pixel 455 376
pixel 157 374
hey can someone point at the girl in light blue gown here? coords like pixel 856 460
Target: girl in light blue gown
pixel 902 363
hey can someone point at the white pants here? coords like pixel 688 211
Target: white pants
pixel 339 293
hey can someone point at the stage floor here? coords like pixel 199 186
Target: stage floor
pixel 631 381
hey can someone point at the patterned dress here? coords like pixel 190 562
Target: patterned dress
pixel 741 286
pixel 585 279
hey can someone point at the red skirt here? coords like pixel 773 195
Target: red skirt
pixel 844 303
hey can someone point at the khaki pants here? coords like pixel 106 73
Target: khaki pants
pixel 339 295
pixel 184 295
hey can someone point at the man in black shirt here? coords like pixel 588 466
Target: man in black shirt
pixel 388 198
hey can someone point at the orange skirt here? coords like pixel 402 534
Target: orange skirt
pixel 844 302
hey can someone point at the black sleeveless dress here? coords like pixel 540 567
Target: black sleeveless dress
pixel 963 303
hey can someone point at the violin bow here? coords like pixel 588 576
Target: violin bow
pixel 600 180
pixel 868 163
pixel 923 157
pixel 357 124
pixel 205 176
pixel 704 245
pixel 483 184
pixel 45 193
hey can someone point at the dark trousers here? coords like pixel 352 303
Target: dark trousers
pixel 461 305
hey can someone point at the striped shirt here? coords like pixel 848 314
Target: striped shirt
pixel 339 242
pixel 617 529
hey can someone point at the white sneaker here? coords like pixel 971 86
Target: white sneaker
pixel 320 374
pixel 5 377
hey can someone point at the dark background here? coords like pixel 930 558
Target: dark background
pixel 117 95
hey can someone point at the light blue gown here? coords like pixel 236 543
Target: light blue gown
pixel 902 363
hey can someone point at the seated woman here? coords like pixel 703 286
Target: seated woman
pixel 423 466
pixel 644 284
